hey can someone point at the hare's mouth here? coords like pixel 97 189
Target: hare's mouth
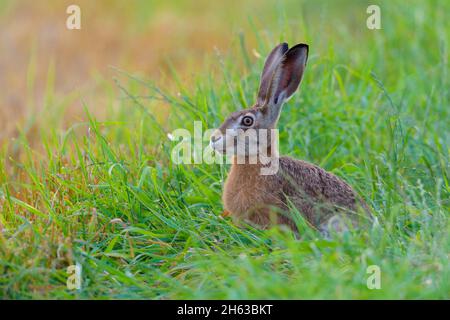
pixel 217 142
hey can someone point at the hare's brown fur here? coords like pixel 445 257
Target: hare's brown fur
pixel 317 194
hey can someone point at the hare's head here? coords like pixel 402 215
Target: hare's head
pixel 247 132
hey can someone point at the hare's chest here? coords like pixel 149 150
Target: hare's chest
pixel 243 194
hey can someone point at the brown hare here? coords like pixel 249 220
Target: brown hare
pixel 327 202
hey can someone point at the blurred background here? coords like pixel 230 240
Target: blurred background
pixel 50 75
pixel 45 65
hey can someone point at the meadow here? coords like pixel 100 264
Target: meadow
pixel 86 175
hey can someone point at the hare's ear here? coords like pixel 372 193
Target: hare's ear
pixel 286 78
pixel 272 61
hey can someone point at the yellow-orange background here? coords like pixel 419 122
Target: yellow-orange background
pixel 42 62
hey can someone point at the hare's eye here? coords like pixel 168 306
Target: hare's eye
pixel 247 121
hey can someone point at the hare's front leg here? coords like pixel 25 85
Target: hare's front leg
pixel 270 216
pixel 260 217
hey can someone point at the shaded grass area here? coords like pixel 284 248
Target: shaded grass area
pixel 372 108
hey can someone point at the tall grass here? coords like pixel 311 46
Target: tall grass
pixel 372 108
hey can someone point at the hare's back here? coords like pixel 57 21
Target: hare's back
pixel 307 179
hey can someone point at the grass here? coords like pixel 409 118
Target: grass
pixel 372 108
